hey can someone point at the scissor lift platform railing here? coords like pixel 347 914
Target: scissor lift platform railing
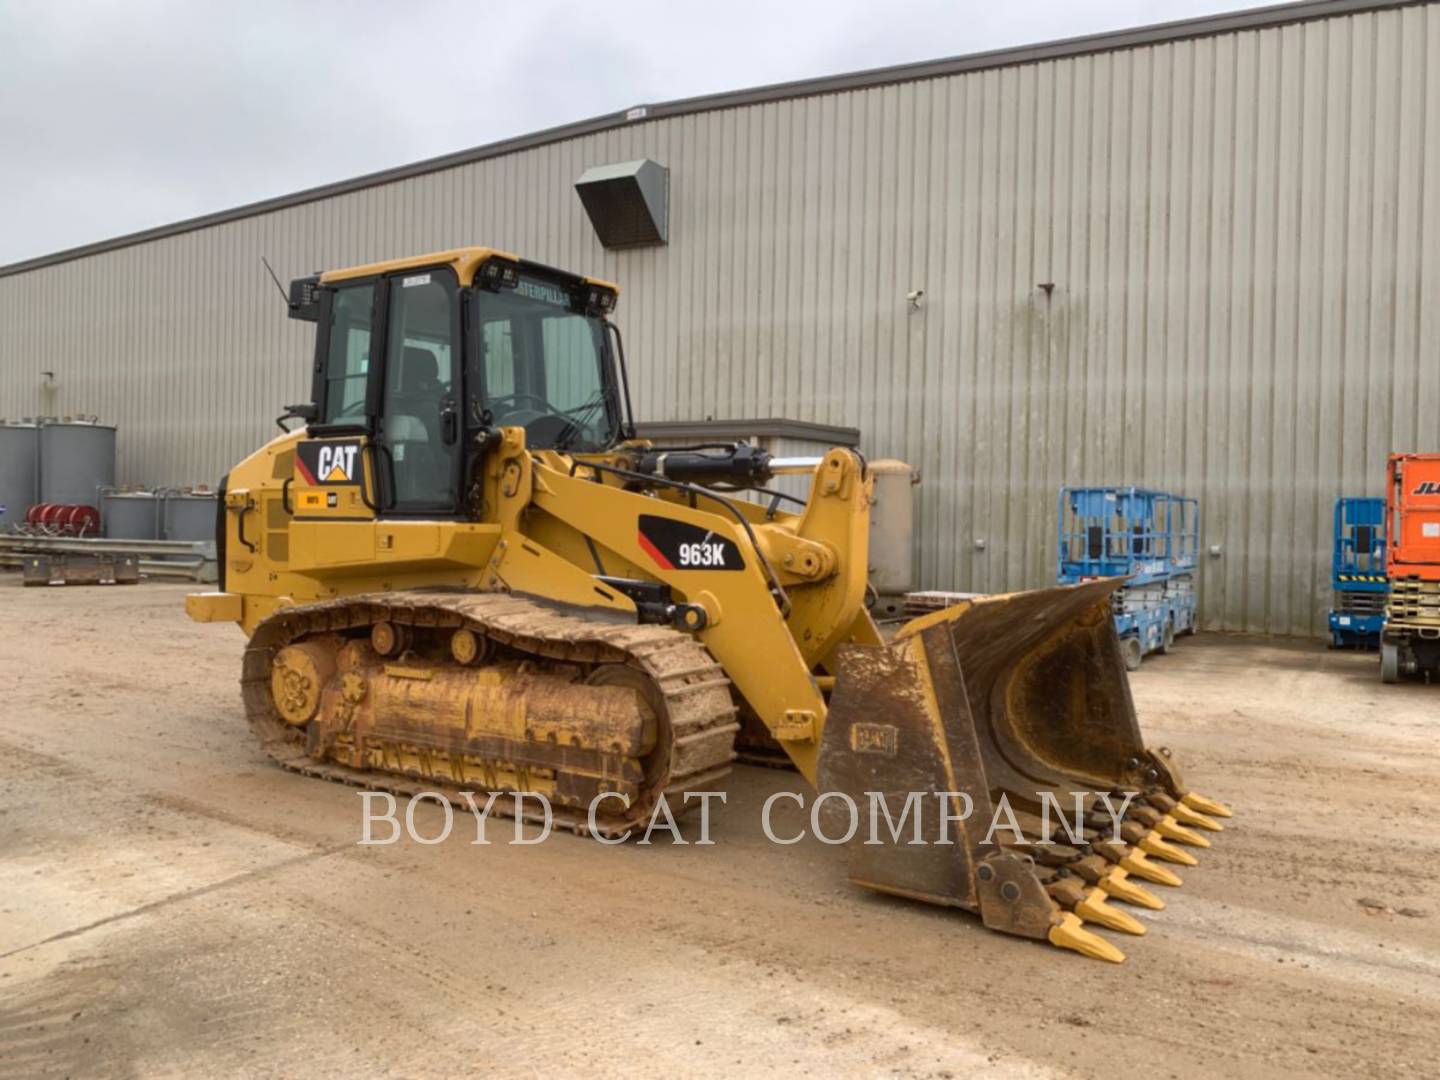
pixel 1357 573
pixel 1149 537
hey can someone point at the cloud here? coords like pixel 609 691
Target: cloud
pixel 121 116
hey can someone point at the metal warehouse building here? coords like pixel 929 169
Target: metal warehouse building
pixel 1202 256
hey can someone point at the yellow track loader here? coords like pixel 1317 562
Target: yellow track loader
pixel 463 573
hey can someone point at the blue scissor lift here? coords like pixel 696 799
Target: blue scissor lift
pixel 1357 573
pixel 1150 538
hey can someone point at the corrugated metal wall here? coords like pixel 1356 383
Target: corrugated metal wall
pixel 1241 232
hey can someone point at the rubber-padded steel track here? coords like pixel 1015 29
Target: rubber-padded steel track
pixel 698 704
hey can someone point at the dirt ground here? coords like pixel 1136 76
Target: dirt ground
pixel 174 905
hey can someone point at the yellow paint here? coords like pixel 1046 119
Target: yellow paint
pixel 1094 909
pixel 1152 844
pixel 1184 814
pixel 214 607
pixel 1206 806
pixel 463 261
pixel 1117 883
pixel 1070 933
pixel 1137 863
pixel 1171 830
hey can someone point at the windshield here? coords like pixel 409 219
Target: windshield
pixel 540 365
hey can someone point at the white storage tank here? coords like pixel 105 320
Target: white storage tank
pixel 892 535
pixel 77 461
pixel 19 471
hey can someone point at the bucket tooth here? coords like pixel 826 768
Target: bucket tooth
pixel 1147 816
pixel 1095 869
pixel 1070 933
pixel 1117 883
pixel 1167 828
pixel 1187 816
pixel 1206 806
pixel 1094 909
pixel 1151 844
pixel 1139 864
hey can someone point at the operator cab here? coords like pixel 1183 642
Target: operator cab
pixel 427 356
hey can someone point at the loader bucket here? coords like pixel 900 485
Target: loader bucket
pixel 984 721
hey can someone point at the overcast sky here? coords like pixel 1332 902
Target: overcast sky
pixel 119 116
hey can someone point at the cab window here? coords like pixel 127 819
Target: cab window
pixel 347 365
pixel 499 349
pixel 542 366
pixel 572 360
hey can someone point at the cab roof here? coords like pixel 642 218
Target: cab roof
pixel 464 261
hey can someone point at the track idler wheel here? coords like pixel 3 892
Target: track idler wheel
pixel 298 676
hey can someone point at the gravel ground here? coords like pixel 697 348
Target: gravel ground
pixel 172 904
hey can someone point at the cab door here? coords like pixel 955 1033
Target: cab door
pixel 418 436
pixel 332 476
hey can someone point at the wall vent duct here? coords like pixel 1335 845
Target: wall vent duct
pixel 628 203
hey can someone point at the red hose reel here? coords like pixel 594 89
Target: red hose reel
pixel 68 519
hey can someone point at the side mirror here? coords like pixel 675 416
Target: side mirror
pixel 308 412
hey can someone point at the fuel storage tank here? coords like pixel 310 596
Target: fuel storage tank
pixel 19 471
pixel 77 460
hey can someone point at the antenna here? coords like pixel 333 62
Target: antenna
pixel 275 279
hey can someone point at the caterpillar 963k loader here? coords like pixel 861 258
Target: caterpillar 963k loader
pixel 465 574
